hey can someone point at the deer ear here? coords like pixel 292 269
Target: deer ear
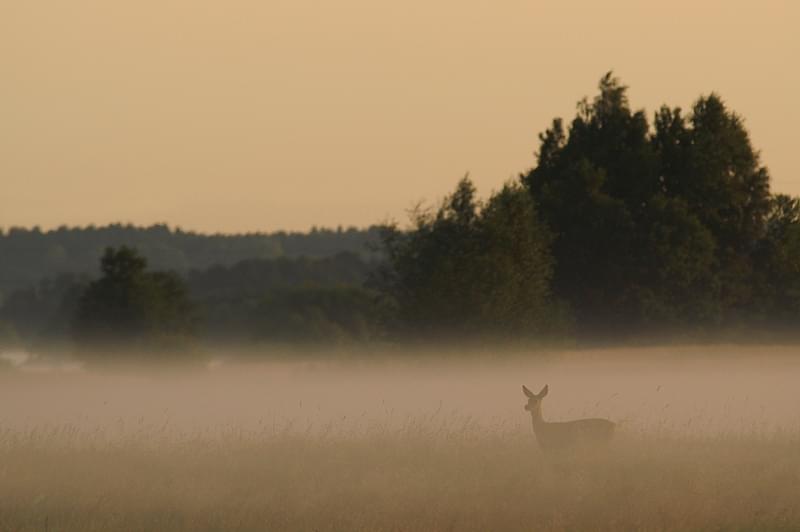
pixel 544 391
pixel 527 392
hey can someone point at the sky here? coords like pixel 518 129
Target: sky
pixel 262 115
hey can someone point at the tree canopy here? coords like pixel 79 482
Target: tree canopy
pixel 470 268
pixel 132 306
pixel 655 227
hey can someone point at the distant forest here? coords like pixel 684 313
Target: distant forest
pixel 43 275
pixel 29 255
pixel 627 228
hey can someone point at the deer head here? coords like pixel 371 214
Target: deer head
pixel 534 399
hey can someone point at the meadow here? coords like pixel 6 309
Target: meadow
pixel 709 439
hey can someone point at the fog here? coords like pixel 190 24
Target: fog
pixel 686 391
pixel 707 438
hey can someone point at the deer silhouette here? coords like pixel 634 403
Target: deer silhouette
pixel 553 436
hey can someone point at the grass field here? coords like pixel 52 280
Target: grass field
pixel 423 448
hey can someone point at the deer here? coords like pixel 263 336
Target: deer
pixel 554 436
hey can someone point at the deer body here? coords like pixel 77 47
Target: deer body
pixel 554 436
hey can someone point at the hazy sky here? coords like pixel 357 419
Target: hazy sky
pixel 244 115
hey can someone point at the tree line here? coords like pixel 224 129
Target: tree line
pixel 30 255
pixel 287 300
pixel 627 227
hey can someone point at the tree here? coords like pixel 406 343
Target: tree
pixel 654 229
pixel 130 306
pixel 592 185
pixel 514 268
pixel 425 277
pixel 677 288
pixel 777 265
pixel 470 269
pixel 709 163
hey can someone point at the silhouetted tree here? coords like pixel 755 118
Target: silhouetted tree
pixel 777 266
pixel 470 269
pixel 708 161
pixel 592 185
pixel 653 229
pixel 130 306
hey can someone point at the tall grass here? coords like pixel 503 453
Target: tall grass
pixel 429 473
pixel 710 440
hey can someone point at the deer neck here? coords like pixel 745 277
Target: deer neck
pixel 536 418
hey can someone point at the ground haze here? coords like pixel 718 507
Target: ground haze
pixel 709 439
